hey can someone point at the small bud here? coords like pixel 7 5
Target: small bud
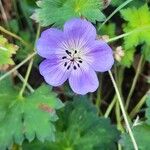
pixel 103 37
pixel 119 53
pixel 106 3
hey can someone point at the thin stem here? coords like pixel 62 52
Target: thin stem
pixel 99 97
pixel 18 66
pixel 129 33
pixel 118 117
pixel 123 111
pixel 114 12
pixel 4 16
pixel 134 82
pixel 119 146
pixel 110 107
pixel 15 36
pixel 138 106
pixel 29 67
pixel 26 78
pixel 23 80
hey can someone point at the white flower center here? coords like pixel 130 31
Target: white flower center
pixel 72 58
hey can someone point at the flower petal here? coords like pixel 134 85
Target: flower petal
pixel 100 56
pixel 83 80
pixel 79 29
pixel 49 42
pixel 54 71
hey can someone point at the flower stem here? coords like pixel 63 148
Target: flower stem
pixel 114 12
pixel 18 66
pixel 123 111
pixel 29 67
pixel 23 80
pixel 99 92
pixel 110 107
pixel 26 78
pixel 118 117
pixel 129 33
pixel 4 16
pixel 138 106
pixel 134 82
pixel 15 36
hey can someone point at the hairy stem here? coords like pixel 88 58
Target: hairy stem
pixel 26 78
pixel 110 107
pixel 4 16
pixel 139 105
pixel 99 97
pixel 118 117
pixel 29 67
pixel 129 33
pixel 114 12
pixel 123 111
pixel 23 80
pixel 15 36
pixel 18 66
pixel 134 82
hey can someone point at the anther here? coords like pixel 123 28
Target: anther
pixel 69 53
pixel 75 51
pixel 74 67
pixel 64 57
pixel 80 61
pixel 68 67
pixel 78 65
pixel 65 64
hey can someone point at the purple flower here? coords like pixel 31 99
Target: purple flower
pixel 74 54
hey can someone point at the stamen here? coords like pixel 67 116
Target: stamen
pixel 75 51
pixel 80 61
pixel 78 65
pixel 65 64
pixel 69 53
pixel 68 67
pixel 74 67
pixel 64 57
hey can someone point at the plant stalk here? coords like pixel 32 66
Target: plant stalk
pixel 134 82
pixel 123 112
pixel 18 66
pixel 15 36
pixel 114 12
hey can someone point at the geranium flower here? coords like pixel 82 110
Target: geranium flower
pixel 74 54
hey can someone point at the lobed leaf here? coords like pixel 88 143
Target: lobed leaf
pixel 136 18
pixel 6 51
pixel 28 118
pixel 79 127
pixel 49 11
pixel 141 133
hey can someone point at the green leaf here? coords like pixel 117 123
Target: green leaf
pixel 141 134
pixel 80 127
pixel 146 52
pixel 108 29
pixel 28 118
pixel 136 18
pixel 133 3
pixel 49 11
pixel 6 51
pixel 128 58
